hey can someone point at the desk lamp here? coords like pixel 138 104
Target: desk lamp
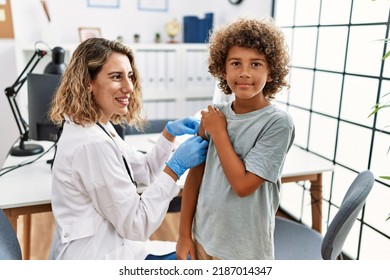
pixel 56 66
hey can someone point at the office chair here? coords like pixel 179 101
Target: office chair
pixel 295 241
pixel 9 244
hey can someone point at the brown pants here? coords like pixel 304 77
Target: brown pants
pixel 201 253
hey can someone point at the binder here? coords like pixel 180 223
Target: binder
pixel 141 66
pixel 190 29
pixel 171 69
pixel 151 70
pixel 191 69
pixel 197 30
pixel 161 66
pixel 200 68
pixel 209 19
pixel 205 26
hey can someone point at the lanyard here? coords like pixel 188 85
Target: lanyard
pixel 124 160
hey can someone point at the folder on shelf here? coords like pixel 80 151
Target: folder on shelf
pixel 191 69
pixel 140 61
pixel 171 69
pixel 201 68
pixel 190 29
pixel 205 26
pixel 151 70
pixel 197 30
pixel 161 66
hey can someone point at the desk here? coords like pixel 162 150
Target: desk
pixel 301 165
pixel 27 190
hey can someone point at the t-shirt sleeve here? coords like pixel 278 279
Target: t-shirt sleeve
pixel 267 157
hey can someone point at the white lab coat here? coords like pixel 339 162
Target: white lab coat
pixel 98 212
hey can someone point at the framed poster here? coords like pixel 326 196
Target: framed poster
pixel 6 26
pixel 89 32
pixel 104 4
pixel 153 5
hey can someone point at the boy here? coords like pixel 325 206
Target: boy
pixel 229 202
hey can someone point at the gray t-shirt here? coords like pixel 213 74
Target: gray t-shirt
pixel 233 227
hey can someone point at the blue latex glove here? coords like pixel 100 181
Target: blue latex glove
pixel 183 126
pixel 189 154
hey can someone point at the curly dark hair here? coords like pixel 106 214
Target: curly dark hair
pixel 262 35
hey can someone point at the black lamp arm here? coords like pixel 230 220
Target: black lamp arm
pixel 22 126
pixel 12 91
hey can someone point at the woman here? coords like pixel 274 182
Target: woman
pixel 97 210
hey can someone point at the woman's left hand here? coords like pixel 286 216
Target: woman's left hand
pixel 183 126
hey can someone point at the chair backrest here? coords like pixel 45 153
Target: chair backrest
pixel 9 244
pixel 350 207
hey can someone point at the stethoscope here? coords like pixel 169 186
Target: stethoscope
pixel 124 159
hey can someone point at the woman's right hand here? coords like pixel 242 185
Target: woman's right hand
pixel 189 154
pixel 185 248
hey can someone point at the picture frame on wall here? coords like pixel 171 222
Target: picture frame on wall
pixel 6 23
pixel 89 32
pixel 153 5
pixel 103 3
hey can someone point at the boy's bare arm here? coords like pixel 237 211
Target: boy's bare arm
pixel 189 199
pixel 185 245
pixel 190 194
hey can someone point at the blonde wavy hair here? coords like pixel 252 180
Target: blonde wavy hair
pixel 73 99
pixel 261 35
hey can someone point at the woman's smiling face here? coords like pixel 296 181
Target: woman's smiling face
pixel 113 86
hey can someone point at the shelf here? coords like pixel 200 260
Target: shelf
pixel 175 78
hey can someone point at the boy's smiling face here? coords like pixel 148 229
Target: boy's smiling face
pixel 247 72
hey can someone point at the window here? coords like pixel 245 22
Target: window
pixel 336 76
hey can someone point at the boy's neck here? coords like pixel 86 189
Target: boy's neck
pixel 243 106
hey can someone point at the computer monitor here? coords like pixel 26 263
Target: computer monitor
pixel 40 91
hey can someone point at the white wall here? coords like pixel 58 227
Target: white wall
pixel 68 15
pixel 31 25
pixel 8 129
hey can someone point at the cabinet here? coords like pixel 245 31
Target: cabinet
pixel 175 78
